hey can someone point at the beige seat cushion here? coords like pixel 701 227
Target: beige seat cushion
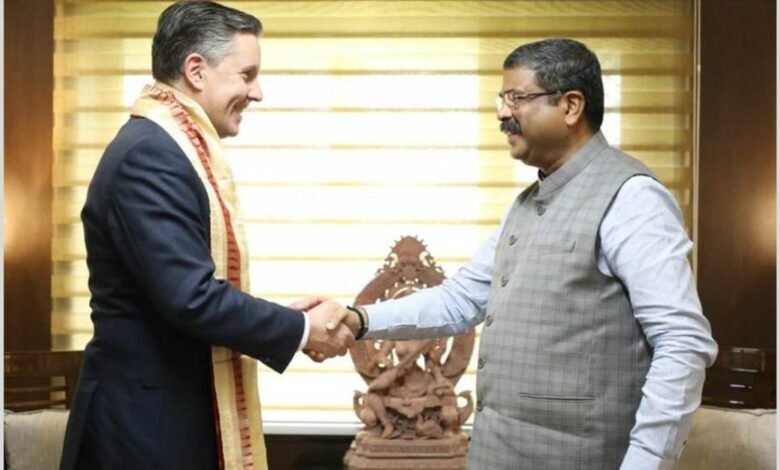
pixel 730 439
pixel 33 439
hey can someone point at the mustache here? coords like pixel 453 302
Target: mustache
pixel 510 126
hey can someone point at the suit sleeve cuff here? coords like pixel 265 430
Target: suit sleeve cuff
pixel 638 458
pixel 305 337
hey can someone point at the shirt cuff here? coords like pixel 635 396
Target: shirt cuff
pixel 371 325
pixel 639 459
pixel 305 338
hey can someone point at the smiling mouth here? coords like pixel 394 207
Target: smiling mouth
pixel 512 134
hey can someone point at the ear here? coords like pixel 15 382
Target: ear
pixel 193 71
pixel 574 107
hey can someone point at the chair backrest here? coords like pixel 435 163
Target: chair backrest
pixel 742 378
pixel 40 379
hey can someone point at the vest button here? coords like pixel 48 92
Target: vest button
pixel 480 405
pixel 488 320
pixel 480 363
pixel 540 209
pixel 512 240
pixel 504 280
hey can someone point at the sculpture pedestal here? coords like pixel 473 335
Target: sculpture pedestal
pixel 368 452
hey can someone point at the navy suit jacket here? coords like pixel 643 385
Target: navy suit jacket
pixel 144 399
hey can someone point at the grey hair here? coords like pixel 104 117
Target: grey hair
pixel 203 27
pixel 566 65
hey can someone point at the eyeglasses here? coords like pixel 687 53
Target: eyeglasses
pixel 511 99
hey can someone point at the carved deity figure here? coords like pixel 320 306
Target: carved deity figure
pixel 411 384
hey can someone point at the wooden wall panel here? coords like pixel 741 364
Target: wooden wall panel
pixel 737 186
pixel 29 46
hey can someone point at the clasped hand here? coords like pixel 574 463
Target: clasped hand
pixel 332 327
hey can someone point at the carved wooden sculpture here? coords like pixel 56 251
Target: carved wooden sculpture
pixel 411 412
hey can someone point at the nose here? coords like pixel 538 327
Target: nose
pixel 255 92
pixel 504 112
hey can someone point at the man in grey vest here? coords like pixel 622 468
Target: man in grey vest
pixel 594 345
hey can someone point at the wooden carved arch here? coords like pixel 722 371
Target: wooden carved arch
pixel 408 268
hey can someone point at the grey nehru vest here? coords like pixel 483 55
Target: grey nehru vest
pixel 562 359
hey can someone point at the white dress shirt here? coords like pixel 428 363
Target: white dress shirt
pixel 644 244
pixel 305 336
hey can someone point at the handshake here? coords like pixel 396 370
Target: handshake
pixel 333 328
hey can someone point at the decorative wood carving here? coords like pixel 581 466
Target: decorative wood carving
pixel 411 412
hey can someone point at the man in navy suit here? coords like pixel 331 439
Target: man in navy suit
pixel 167 268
